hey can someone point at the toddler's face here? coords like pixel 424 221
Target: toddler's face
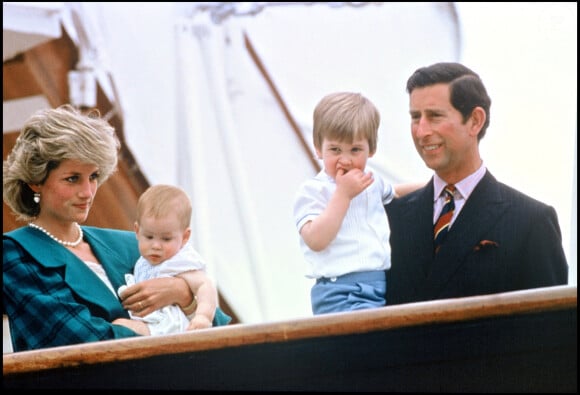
pixel 160 238
pixel 342 155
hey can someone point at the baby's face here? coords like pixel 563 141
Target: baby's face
pixel 159 238
pixel 338 155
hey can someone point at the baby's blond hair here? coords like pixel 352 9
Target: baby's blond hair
pixel 160 200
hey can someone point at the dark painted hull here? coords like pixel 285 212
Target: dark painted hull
pixel 496 346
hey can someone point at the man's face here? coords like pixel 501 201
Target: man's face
pixel 442 139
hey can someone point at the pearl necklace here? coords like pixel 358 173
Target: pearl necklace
pixel 59 241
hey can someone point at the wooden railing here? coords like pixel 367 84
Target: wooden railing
pixel 516 341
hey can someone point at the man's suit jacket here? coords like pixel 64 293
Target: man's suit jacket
pixel 502 240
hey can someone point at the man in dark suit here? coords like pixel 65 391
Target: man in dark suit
pixel 499 239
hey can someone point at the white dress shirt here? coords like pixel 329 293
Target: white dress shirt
pixel 462 191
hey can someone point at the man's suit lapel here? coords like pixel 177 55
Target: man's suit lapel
pixel 418 238
pixel 480 212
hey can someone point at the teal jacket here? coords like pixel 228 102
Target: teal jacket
pixel 53 299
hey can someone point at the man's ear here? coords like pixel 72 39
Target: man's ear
pixel 477 120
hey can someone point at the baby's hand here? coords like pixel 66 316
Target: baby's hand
pixel 199 322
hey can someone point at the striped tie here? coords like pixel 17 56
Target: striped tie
pixel 442 225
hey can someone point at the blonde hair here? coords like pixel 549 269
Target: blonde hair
pixel 49 137
pixel 346 116
pixel 160 200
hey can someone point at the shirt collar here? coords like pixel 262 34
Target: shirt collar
pixel 463 188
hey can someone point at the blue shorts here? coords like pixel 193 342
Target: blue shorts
pixel 352 291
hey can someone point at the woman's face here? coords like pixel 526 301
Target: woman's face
pixel 68 192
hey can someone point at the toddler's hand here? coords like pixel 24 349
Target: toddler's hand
pixel 353 182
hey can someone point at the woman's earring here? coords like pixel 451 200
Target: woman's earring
pixel 36 197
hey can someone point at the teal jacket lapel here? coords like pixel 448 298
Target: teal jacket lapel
pixel 116 250
pixel 114 257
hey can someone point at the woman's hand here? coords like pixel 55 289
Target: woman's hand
pixel 136 326
pixel 147 296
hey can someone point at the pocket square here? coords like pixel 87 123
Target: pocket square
pixel 485 244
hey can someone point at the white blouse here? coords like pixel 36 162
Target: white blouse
pixel 100 272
